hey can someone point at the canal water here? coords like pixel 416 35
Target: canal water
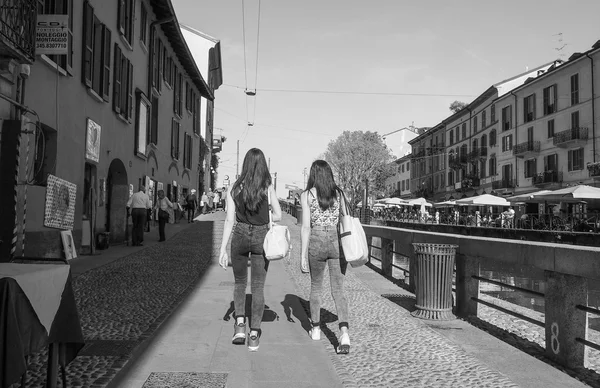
pixel 524 277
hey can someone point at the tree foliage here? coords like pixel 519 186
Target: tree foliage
pixel 356 157
pixel 457 106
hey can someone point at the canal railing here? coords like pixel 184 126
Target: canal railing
pixel 567 271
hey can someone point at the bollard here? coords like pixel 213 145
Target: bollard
pixel 435 266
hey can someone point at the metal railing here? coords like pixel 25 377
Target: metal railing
pixel 547 177
pixel 579 133
pixel 503 184
pixel 18 27
pixel 528 146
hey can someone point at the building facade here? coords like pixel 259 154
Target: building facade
pixel 119 110
pixel 429 163
pixel 398 185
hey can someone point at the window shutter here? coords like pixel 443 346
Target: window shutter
pixel 570 167
pixel 173 138
pixel 88 44
pixel 175 93
pixel 117 80
pixel 124 84
pixel 106 60
pixel 130 90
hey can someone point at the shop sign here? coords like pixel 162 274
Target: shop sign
pixel 52 35
pixel 92 143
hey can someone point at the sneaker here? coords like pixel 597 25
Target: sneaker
pixel 315 333
pixel 239 334
pixel 344 347
pixel 253 343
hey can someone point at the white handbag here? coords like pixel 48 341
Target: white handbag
pixel 277 241
pixel 353 238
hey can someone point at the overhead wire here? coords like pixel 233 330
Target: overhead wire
pixel 245 61
pixel 256 69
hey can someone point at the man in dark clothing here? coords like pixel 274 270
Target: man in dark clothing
pixel 192 204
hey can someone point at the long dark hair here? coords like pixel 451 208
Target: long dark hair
pixel 321 178
pixel 254 180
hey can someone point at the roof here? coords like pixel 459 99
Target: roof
pixel 427 131
pixel 163 9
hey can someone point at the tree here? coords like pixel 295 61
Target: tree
pixel 457 106
pixel 359 156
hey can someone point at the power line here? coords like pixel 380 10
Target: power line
pixel 355 92
pixel 257 52
pixel 244 35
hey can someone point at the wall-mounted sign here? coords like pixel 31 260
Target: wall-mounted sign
pixel 92 141
pixel 60 203
pixel 52 35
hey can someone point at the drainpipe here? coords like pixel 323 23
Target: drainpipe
pixel 151 50
pixel 593 111
pixel 516 140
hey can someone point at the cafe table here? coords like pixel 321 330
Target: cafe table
pixel 37 310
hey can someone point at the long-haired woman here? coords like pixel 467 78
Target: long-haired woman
pixel 322 202
pixel 248 209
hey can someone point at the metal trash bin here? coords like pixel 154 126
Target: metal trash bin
pixel 435 267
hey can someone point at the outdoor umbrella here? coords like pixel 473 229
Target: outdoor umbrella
pixel 526 197
pixel 568 194
pixel 379 205
pixel 445 204
pixel 483 200
pixel 419 201
pixel 395 201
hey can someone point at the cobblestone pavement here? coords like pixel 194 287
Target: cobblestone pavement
pixel 123 303
pixel 389 347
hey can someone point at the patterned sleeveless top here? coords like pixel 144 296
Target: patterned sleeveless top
pixel 320 217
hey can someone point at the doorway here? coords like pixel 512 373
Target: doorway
pixel 117 193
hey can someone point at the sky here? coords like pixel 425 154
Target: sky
pixel 386 65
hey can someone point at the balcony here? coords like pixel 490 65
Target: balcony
pixel 468 183
pixel 417 155
pixel 527 148
pixel 503 184
pixel 571 138
pixel 547 178
pixel 477 154
pixel 457 162
pixel 594 170
pixel 17 29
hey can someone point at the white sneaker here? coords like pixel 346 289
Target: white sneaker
pixel 315 333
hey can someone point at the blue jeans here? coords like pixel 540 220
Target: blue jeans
pixel 323 250
pixel 248 240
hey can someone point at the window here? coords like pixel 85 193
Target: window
pixel 493 113
pixel 575 120
pixel 168 68
pixel 463 150
pixel 156 60
pixel 576 159
pixel 144 25
pixel 95 63
pixel 464 131
pixel 551 162
pixel 177 93
pixel 187 151
pixel 408 166
pixel 451 137
pixel 403 185
pixel 483 119
pixel 529 108
pixel 492 166
pixel 550 128
pixel 125 18
pixel 450 178
pixel 188 97
pixel 123 85
pixel 507 118
pixel 175 139
pixel 482 168
pixel 550 99
pixel 402 168
pixel 60 7
pixel 575 89
pixel 165 64
pixel 161 63
pixel 493 138
pixel 484 141
pixel 530 168
pixel 142 124
pixel 530 135
pixel 475 124
pixel 507 143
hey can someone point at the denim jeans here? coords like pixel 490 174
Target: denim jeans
pixel 248 240
pixel 323 250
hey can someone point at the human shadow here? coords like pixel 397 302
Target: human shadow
pixel 268 315
pixel 293 305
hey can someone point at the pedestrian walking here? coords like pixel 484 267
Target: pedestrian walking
pixel 164 208
pixel 216 201
pixel 211 197
pixel 192 204
pixel 248 208
pixel 204 202
pixel 137 206
pixel 322 203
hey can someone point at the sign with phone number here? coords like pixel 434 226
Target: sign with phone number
pixel 52 35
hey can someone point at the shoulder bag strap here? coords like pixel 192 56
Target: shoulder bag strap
pixel 269 200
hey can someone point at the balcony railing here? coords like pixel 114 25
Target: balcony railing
pixel 457 162
pixel 528 147
pixel 470 182
pixel 547 177
pixel 478 153
pixel 419 154
pixel 594 169
pixel 503 184
pixel 570 135
pixel 17 29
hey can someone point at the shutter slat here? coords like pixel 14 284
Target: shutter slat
pixel 117 80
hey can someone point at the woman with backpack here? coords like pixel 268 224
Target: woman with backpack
pixel 323 202
pixel 247 218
